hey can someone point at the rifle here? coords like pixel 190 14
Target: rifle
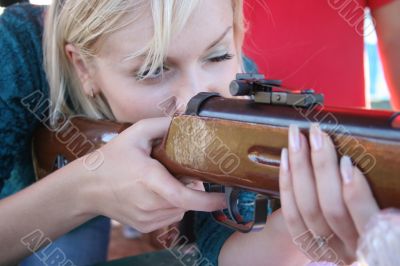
pixel 235 144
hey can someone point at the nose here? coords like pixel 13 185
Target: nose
pixel 190 83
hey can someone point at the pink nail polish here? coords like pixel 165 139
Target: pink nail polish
pixel 315 137
pixel 284 160
pixel 346 169
pixel 294 138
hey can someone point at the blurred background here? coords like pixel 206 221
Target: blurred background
pixel 375 81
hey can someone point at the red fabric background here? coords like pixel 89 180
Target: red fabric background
pixel 311 44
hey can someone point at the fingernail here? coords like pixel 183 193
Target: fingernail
pixel 316 136
pixel 346 169
pixel 284 160
pixel 294 137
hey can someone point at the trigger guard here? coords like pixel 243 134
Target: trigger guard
pixel 234 219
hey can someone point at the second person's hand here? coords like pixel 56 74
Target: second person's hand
pixel 325 205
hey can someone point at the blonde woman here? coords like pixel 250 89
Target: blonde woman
pixel 103 60
pixel 118 59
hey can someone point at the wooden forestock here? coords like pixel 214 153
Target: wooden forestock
pixel 238 143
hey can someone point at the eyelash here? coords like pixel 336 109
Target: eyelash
pixel 221 58
pixel 217 59
pixel 153 76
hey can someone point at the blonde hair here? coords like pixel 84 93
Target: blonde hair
pixel 86 23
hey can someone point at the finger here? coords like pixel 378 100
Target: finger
pixel 302 237
pixel 164 184
pixel 294 221
pixel 357 194
pixel 192 183
pixel 304 186
pixel 163 223
pixel 147 200
pixel 147 130
pixel 161 214
pixel 329 187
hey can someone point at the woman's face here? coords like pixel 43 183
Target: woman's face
pixel 202 57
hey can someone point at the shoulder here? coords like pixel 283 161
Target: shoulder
pixel 21 58
pixel 19 14
pixel 22 22
pixel 21 77
pixel 21 28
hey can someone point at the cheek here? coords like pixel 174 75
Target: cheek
pixel 129 101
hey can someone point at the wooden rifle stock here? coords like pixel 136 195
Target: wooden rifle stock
pixel 237 143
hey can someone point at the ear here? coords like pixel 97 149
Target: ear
pixel 82 69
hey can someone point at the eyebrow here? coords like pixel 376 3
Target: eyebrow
pixel 214 43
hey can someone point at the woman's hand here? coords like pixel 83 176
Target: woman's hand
pixel 325 206
pixel 135 189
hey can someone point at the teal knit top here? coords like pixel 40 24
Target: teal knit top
pixel 22 73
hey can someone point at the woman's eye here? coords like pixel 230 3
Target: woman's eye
pixel 221 58
pixel 156 74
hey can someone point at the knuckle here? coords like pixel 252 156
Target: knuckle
pixel 197 185
pixel 178 201
pixel 144 206
pixel 297 162
pixel 142 217
pixel 140 227
pixel 150 172
pixel 320 162
pixel 151 177
pixel 335 214
pixel 180 217
pixel 175 197
pixel 140 182
pixel 139 126
pixel 350 194
pixel 284 183
pixel 146 229
pixel 292 220
pixel 152 206
pixel 312 214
